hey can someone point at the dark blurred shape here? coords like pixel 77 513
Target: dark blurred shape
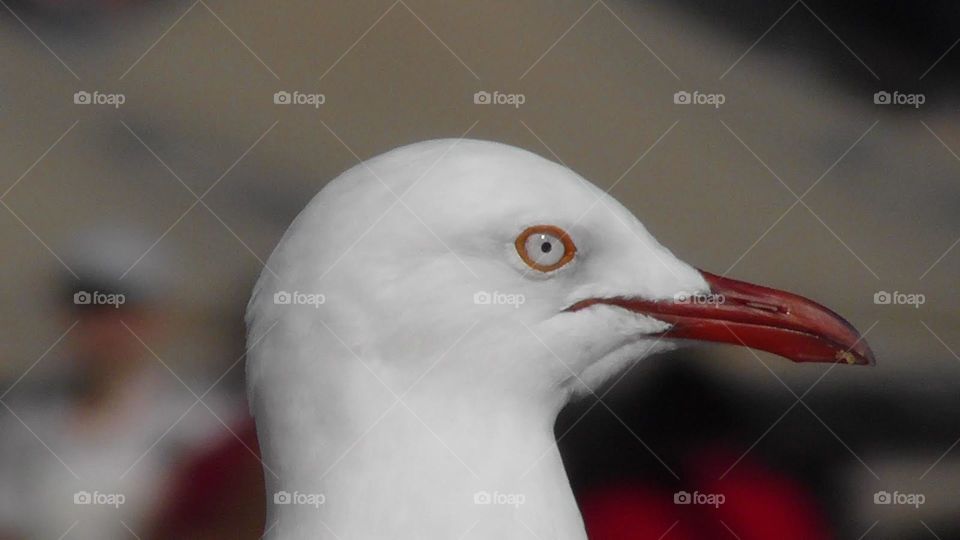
pixel 219 493
pixel 673 406
pixel 73 12
pixel 700 431
pixel 898 40
pixel 757 503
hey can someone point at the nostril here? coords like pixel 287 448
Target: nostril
pixel 772 308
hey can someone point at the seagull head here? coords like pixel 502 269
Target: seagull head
pixel 493 249
pixel 476 283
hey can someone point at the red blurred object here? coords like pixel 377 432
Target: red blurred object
pixel 759 504
pixel 219 494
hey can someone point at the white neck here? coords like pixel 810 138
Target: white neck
pixel 424 469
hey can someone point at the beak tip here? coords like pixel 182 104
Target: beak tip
pixel 859 359
pixel 864 356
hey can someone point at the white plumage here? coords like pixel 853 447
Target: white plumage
pixel 402 406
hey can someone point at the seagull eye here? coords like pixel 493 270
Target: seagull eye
pixel 545 247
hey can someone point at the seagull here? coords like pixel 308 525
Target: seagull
pixel 421 323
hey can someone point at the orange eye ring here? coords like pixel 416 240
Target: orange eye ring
pixel 547 233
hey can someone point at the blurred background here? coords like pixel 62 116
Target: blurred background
pixel 152 153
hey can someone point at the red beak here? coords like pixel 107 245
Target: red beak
pixel 758 317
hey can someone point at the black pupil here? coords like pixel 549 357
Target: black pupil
pixel 546 247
